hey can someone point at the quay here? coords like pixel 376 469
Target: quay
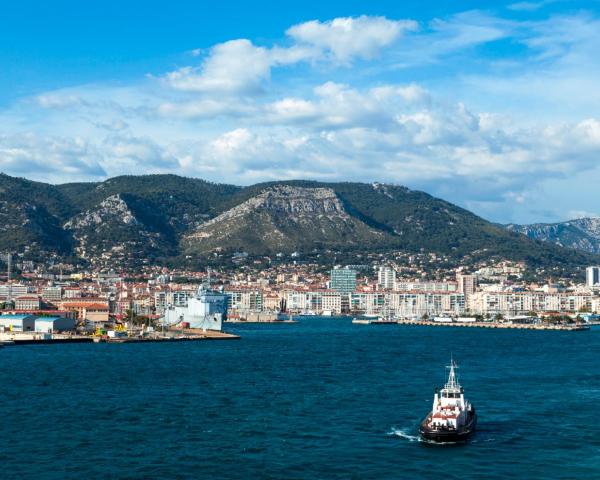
pixel 168 336
pixel 172 336
pixel 506 325
pixel 259 317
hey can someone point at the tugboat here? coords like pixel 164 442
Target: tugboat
pixel 453 418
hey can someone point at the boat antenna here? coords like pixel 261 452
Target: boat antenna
pixel 452 383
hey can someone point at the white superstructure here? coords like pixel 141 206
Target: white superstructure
pixel 206 310
pixel 450 410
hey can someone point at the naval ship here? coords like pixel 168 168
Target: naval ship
pixel 206 310
pixel 452 418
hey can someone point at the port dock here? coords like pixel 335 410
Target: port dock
pixel 505 325
pixel 10 339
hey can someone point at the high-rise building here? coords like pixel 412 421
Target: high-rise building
pixel 592 276
pixel 467 284
pixel 386 277
pixel 343 280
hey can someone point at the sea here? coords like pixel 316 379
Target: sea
pixel 318 399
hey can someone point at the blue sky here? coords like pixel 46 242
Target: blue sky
pixel 495 108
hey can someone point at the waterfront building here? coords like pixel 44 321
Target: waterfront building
pixel 369 303
pixel 54 324
pixel 332 302
pixel 245 299
pixel 520 303
pixel 271 302
pixel 414 305
pixel 343 280
pixel 87 309
pixel 17 323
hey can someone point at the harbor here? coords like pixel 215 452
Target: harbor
pixel 277 392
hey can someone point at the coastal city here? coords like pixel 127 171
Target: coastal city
pixel 44 306
pixel 299 240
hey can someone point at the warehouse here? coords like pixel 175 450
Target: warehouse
pixel 54 324
pixel 17 323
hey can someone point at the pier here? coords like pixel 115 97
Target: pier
pixel 168 336
pixel 505 325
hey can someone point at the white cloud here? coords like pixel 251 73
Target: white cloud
pixel 55 100
pixel 323 120
pixel 529 6
pixel 239 66
pixel 347 38
pixel 234 66
pixel 49 158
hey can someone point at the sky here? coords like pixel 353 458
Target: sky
pixel 494 106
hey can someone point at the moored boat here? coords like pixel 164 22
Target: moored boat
pixel 452 418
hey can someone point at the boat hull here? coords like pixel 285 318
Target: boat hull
pixel 448 436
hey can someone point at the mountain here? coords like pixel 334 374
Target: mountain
pixel 581 234
pixel 285 218
pixel 30 217
pixel 167 219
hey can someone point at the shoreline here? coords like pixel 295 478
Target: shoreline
pixel 514 326
pixel 189 335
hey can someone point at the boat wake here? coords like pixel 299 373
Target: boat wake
pixel 397 432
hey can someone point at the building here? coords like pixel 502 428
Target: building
pixel 27 302
pixel 592 276
pixel 271 302
pixel 13 291
pixel 386 278
pixel 521 303
pixel 87 309
pixel 421 286
pixel 54 324
pixel 245 299
pixel 72 292
pixel 467 284
pixel 52 294
pixel 17 323
pixel 415 305
pixel 343 280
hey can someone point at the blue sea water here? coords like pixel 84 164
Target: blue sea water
pixel 321 398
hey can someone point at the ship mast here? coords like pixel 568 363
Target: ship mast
pixel 452 382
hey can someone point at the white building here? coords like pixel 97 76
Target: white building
pixel 592 276
pixel 467 284
pixel 386 278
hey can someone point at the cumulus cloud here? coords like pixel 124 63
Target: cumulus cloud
pixel 232 66
pixel 128 153
pixel 49 158
pixel 347 38
pixel 239 66
pixel 234 117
